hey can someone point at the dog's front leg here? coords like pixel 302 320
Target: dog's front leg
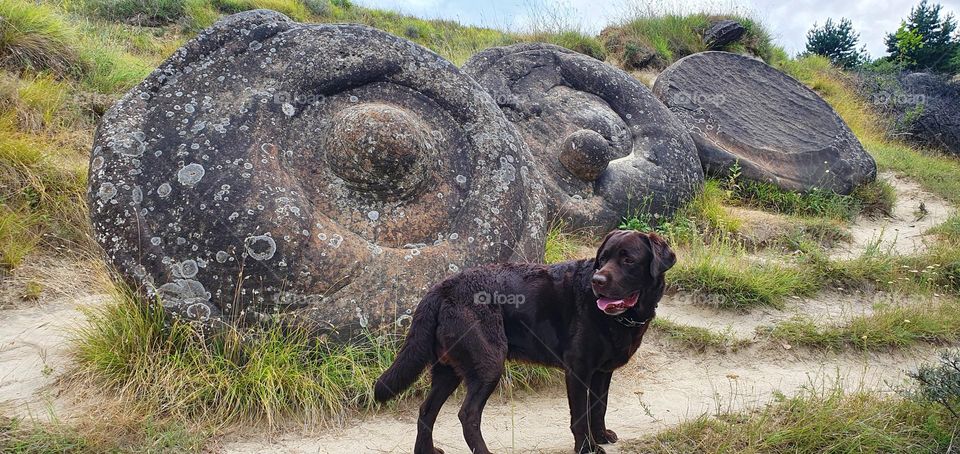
pixel 599 390
pixel 577 396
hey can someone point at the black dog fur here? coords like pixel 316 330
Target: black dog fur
pixel 551 318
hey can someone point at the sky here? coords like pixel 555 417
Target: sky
pixel 788 20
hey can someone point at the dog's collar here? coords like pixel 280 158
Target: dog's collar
pixel 626 319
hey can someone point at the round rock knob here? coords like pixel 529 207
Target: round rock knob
pixel 380 149
pixel 585 154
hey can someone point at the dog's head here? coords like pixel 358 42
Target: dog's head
pixel 627 264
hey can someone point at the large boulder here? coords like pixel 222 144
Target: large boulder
pixel 606 146
pixel 740 110
pixel 723 33
pixel 924 107
pixel 323 175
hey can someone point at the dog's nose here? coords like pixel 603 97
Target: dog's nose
pixel 599 280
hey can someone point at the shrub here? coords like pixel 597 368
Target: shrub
pixel 940 383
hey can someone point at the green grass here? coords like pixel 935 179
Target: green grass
pixel 239 376
pixel 674 36
pixel 35 37
pixel 936 322
pixel 813 421
pixel 698 338
pixel 725 272
pixel 950 229
pixel 140 12
pixel 561 245
pixel 816 203
pixel 18 237
pixel 18 437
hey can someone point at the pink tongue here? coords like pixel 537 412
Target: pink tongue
pixel 612 304
pixel 603 303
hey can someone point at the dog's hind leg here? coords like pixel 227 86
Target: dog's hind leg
pixel 480 354
pixel 444 381
pixel 479 389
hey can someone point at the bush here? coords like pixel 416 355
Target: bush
pixel 940 383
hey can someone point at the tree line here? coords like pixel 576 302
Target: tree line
pixel 927 40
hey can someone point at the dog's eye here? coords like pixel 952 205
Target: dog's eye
pixel 627 261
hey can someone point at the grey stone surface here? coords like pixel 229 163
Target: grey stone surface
pixel 606 146
pixel 722 33
pixel 740 110
pixel 324 175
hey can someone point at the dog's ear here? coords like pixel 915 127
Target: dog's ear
pixel 663 257
pixel 603 244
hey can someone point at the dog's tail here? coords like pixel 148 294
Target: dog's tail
pixel 417 351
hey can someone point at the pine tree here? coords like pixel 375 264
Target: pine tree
pixel 838 42
pixel 925 41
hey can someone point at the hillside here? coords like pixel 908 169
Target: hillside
pixel 788 315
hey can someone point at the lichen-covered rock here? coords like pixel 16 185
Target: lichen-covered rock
pixel 740 110
pixel 722 33
pixel 924 107
pixel 325 173
pixel 606 146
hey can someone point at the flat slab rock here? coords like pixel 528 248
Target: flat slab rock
pixel 741 110
pixel 325 174
pixel 606 146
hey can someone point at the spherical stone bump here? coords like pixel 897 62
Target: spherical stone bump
pixel 585 154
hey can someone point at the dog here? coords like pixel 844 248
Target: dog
pixel 586 317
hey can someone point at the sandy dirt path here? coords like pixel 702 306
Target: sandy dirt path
pixel 915 212
pixel 661 387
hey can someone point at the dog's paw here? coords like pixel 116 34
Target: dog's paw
pixel 605 437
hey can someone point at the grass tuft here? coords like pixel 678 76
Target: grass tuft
pixel 889 327
pixel 267 375
pixel 698 338
pixel 34 37
pixel 671 37
pixel 138 12
pixel 722 270
pixel 561 245
pixel 814 421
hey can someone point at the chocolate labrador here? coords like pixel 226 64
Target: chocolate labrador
pixel 586 317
